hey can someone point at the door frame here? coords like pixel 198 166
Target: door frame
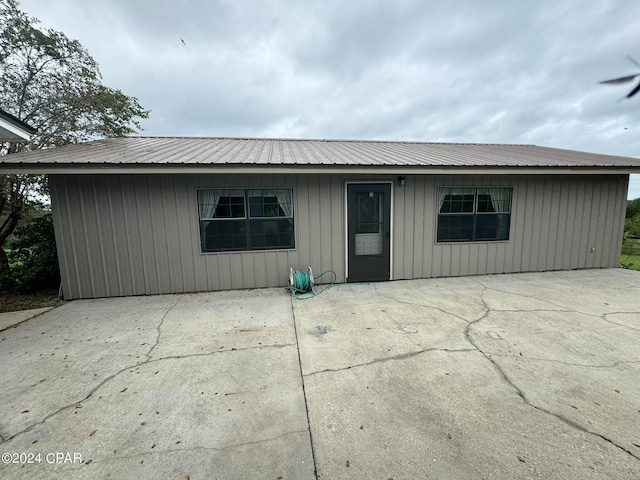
pixel 346 223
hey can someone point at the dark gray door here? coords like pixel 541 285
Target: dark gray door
pixel 369 231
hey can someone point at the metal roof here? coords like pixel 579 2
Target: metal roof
pixel 146 154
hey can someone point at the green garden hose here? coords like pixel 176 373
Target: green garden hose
pixel 302 283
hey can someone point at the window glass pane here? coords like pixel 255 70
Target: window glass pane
pixel 494 200
pixel 502 232
pixel 225 225
pixel 270 203
pixel 474 214
pixel 276 233
pixel 485 205
pixel 223 235
pixel 486 227
pixel 229 207
pixel 492 227
pixel 368 212
pixel 221 204
pixel 456 200
pixel 455 228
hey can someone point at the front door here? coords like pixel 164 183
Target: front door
pixel 369 231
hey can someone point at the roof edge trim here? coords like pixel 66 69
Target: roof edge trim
pixel 71 169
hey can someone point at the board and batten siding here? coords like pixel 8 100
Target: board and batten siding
pixel 557 223
pixel 121 235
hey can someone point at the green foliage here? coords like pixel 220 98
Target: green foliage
pixel 632 226
pixel 632 219
pixel 630 255
pixel 633 208
pixel 52 83
pixel 33 258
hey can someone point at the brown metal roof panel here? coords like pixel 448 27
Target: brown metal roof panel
pixel 256 153
pixel 206 150
pixel 302 155
pixel 243 153
pixel 347 155
pixel 386 154
pixel 319 153
pixel 344 155
pixel 263 152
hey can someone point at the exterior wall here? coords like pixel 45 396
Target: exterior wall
pixel 139 234
pixel 555 223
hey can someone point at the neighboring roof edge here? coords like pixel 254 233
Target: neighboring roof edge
pixel 15 127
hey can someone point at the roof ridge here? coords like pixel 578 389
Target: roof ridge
pixel 328 140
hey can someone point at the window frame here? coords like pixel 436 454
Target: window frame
pixel 246 220
pixel 474 214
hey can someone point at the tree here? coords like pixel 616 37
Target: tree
pixel 633 208
pixel 632 220
pixel 33 249
pixel 52 83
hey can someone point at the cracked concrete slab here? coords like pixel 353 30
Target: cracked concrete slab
pixel 57 358
pixel 205 323
pixel 176 386
pixel 354 328
pixel 507 376
pixel 12 319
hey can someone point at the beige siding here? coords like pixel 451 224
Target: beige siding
pixel 138 234
pixel 555 223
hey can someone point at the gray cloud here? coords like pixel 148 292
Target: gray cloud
pixel 444 70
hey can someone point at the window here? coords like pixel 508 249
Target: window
pixel 468 214
pixel 237 220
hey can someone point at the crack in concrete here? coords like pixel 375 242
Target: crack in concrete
pixel 198 449
pixel 420 305
pixel 400 327
pixel 533 310
pixel 159 327
pixel 15 325
pixel 304 391
pixel 537 359
pixel 519 391
pixel 604 317
pixel 401 356
pixel 206 354
pixel 562 307
pixel 129 367
pixel 177 451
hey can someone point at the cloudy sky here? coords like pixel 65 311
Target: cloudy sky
pixel 487 71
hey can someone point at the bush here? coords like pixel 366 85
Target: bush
pixel 633 208
pixel 33 259
pixel 632 219
pixel 632 226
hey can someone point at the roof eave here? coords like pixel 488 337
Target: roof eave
pixel 10 132
pixel 83 169
pixel 12 129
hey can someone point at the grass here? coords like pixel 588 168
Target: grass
pixel 632 262
pixel 10 302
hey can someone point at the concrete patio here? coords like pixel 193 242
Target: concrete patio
pixel 505 376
